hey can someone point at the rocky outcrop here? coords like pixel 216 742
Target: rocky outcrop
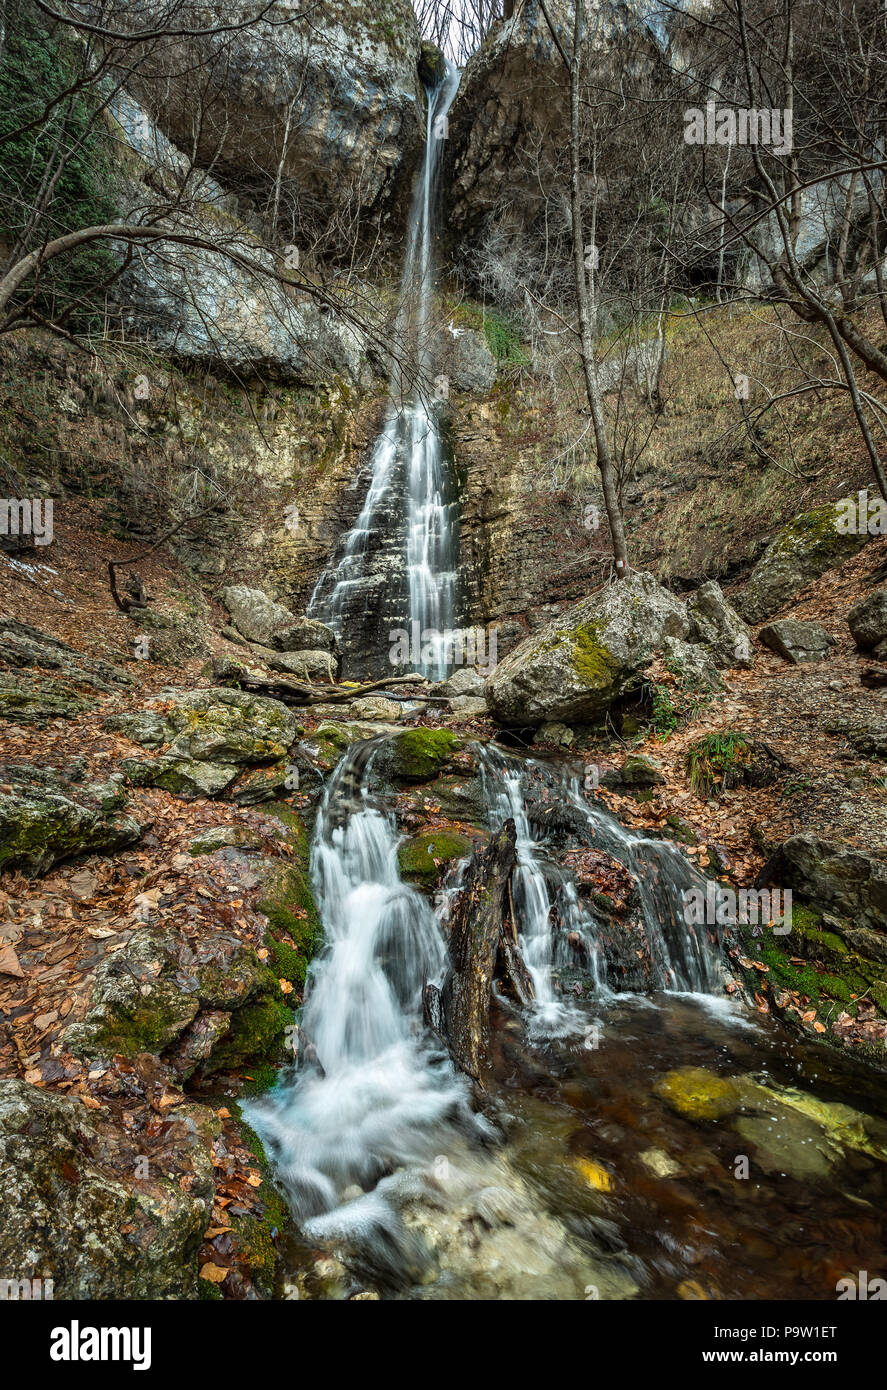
pixel 579 664
pixel 811 544
pixel 47 816
pixel 83 1211
pixel 256 615
pixel 834 877
pixel 327 99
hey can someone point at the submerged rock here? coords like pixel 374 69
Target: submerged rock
pixel 698 1094
pixel 587 657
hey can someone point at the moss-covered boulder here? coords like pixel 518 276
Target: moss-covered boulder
pixel 46 817
pixel 812 543
pixel 81 1208
pixel 187 777
pixel 231 726
pixel 425 858
pixel 835 877
pixel 31 700
pixel 418 755
pixel 590 655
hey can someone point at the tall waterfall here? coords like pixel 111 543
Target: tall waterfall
pixel 398 565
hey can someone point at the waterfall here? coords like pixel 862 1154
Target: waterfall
pixel 398 565
pixel 683 959
pixel 369 1094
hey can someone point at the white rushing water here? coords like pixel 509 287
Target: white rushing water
pixel 408 455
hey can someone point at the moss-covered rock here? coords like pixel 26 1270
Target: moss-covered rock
pixel 32 700
pixel 418 755
pixel 231 726
pixel 45 817
pixel 84 1211
pixel 811 544
pixel 185 777
pixel 425 858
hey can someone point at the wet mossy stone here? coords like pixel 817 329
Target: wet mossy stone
pixel 418 755
pixel 45 817
pixel 425 858
pixel 698 1094
pixel 803 550
pixel 432 64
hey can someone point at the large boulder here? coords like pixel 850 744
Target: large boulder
pixel 811 544
pixel 230 726
pixel 575 668
pixel 304 635
pixel 46 817
pixel 867 621
pixel 83 1211
pixel 254 614
pixel 720 627
pixel 796 641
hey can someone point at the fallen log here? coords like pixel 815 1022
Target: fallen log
pixel 482 943
pixel 228 671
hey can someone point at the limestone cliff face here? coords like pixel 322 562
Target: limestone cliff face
pixel 328 101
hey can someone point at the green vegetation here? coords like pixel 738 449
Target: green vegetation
pixel 713 761
pixel 36 68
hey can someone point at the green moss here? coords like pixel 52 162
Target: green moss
pixel 256 1034
pixel 416 857
pixel 812 531
pixel 258 1234
pixel 420 754
pixel 593 663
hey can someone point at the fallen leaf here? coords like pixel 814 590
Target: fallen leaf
pixel 214 1273
pixel 9 963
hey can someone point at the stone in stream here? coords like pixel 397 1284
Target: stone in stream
pixel 796 641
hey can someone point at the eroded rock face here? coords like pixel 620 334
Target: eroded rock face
pixel 76 1213
pixel 46 817
pixel 579 664
pixel 811 544
pixel 341 78
pixel 833 876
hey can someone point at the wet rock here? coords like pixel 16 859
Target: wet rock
pixel 145 995
pixel 418 755
pixel 577 665
pixel 698 1094
pixel 787 1143
pixel 432 63
pixel 77 1213
pixel 197 1041
pixel 426 858
pixel 254 614
pixel 265 784
pixel 457 798
pixel 832 876
pixel 44 818
pixel 811 544
pixel 796 641
pixel 867 621
pixel 660 1164
pixel 720 627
